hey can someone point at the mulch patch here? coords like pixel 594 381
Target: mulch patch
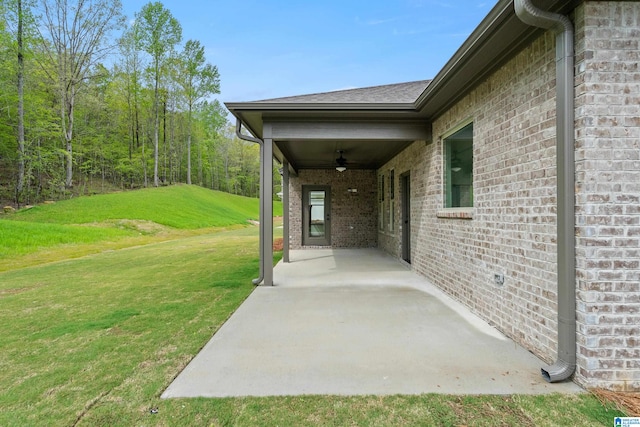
pixel 278 244
pixel 627 402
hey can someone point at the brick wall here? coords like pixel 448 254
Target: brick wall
pixel 608 194
pixel 413 160
pixel 512 231
pixel 513 226
pixel 353 215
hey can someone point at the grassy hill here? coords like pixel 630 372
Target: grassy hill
pixel 180 206
pixel 111 221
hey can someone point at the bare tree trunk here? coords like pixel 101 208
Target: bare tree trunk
pixel 20 185
pixel 69 140
pixel 200 178
pixel 164 141
pixel 156 136
pixel 144 165
pixel 189 156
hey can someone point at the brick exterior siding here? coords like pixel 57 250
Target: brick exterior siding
pixel 353 215
pixel 513 229
pixel 608 193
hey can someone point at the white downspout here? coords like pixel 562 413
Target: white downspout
pixel 565 365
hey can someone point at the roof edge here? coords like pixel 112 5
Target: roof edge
pixel 501 16
pixel 279 106
pixel 499 12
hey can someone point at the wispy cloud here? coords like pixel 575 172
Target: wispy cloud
pixel 457 35
pixel 438 3
pixel 408 32
pixel 376 21
pixel 344 88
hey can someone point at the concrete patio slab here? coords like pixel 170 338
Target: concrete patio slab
pixel 354 322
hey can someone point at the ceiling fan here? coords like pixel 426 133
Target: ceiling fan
pixel 341 162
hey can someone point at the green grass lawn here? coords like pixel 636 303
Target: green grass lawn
pixel 179 206
pixel 95 341
pixel 49 232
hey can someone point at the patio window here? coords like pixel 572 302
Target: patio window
pixel 458 168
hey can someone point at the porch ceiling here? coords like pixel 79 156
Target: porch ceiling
pixel 322 154
pixel 366 144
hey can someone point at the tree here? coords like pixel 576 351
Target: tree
pixel 21 153
pixel 56 91
pixel 197 79
pixel 211 118
pixel 159 32
pixel 131 66
pixel 75 36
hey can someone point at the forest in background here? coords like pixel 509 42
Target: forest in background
pixel 93 103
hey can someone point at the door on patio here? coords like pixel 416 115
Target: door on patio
pixel 405 187
pixel 316 215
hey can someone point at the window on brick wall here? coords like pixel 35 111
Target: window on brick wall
pixel 458 168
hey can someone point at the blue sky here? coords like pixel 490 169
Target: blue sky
pixel 274 48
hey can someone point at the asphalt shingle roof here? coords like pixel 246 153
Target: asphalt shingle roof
pixel 400 93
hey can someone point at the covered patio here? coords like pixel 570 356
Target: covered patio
pixel 331 144
pixel 374 168
pixel 354 322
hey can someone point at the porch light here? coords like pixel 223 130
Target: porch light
pixel 341 162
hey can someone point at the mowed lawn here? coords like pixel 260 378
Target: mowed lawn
pixel 85 225
pixel 96 339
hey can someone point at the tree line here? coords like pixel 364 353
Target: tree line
pixel 90 103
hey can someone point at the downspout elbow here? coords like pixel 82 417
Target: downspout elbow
pixel 258 141
pixel 565 365
pixel 246 137
pixel 559 371
pixel 531 15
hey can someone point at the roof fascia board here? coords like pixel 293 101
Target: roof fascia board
pixel 349 130
pixel 489 28
pixel 289 106
pixel 498 14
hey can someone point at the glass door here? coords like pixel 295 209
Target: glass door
pixel 316 215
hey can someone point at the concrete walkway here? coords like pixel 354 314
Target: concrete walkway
pixel 353 322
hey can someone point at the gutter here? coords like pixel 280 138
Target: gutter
pixel 565 365
pixel 262 216
pixel 479 37
pixel 338 106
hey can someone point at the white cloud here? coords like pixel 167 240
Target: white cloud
pixel 376 21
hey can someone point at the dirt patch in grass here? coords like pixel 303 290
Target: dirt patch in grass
pixel 278 244
pixel 142 227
